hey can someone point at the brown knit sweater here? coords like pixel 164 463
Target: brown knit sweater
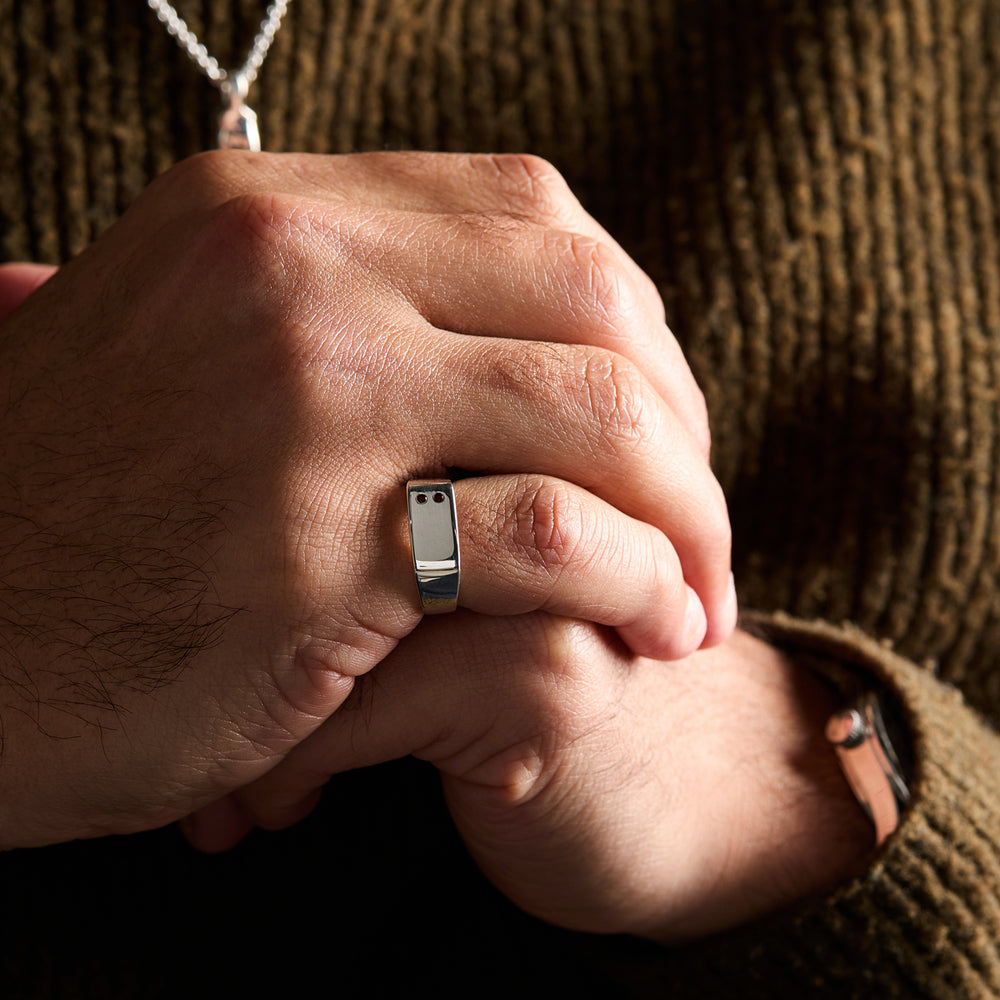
pixel 815 186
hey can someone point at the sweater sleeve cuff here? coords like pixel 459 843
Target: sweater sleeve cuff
pixel 924 920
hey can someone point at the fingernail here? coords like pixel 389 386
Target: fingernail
pixel 732 603
pixel 695 622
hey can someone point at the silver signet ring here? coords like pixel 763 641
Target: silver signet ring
pixel 434 543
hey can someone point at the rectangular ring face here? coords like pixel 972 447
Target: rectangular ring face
pixel 434 540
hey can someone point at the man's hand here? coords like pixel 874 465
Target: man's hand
pixel 600 791
pixel 208 420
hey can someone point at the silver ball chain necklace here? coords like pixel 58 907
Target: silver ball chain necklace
pixel 238 121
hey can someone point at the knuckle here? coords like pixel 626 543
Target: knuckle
pixel 243 239
pixel 491 233
pixel 581 680
pixel 543 640
pixel 573 678
pixel 263 729
pixel 547 523
pixel 619 408
pixel 282 252
pixel 529 372
pixel 246 242
pixel 567 647
pixel 530 186
pixel 205 177
pixel 260 223
pixel 285 705
pixel 599 286
pixel 295 237
pixel 619 400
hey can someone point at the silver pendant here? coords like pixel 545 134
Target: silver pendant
pixel 238 122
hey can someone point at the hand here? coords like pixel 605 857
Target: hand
pixel 599 791
pixel 209 417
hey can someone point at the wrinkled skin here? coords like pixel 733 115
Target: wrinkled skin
pixel 208 419
pixel 599 790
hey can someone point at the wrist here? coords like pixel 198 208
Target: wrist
pixel 780 813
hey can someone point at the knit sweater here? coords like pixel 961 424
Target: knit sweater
pixel 815 188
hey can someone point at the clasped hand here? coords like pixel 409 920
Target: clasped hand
pixel 208 419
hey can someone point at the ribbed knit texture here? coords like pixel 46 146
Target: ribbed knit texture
pixel 815 186
pixel 925 921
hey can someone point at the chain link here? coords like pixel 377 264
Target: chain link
pixel 198 54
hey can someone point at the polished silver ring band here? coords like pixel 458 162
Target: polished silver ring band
pixel 430 504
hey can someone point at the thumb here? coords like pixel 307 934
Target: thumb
pixel 18 281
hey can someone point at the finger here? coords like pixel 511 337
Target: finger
pixel 487 187
pixel 520 186
pixel 531 543
pixel 580 415
pixel 18 281
pixel 523 281
pixel 555 251
pixel 217 827
pixel 419 702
